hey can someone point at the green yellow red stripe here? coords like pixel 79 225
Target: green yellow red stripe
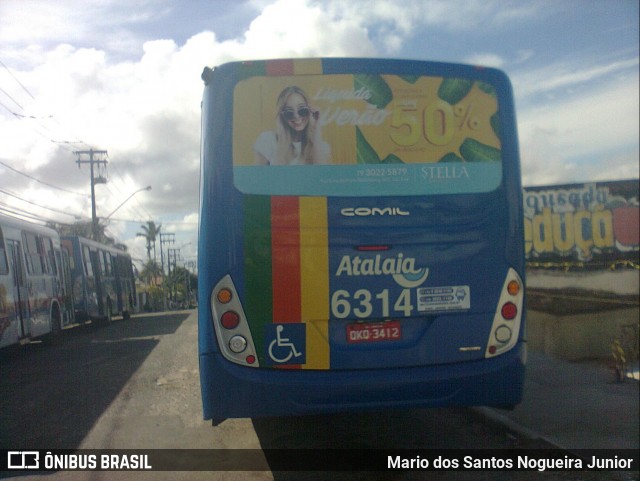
pixel 286 261
pixel 258 296
pixel 314 263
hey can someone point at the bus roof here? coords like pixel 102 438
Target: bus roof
pixel 92 243
pixel 17 223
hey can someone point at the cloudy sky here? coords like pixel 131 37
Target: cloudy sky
pixel 124 76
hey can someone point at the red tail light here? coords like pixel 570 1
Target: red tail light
pixel 509 311
pixel 230 320
pixel 508 316
pixel 230 324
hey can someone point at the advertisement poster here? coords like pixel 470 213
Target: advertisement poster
pixel 364 135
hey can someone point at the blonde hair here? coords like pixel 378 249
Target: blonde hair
pixel 284 133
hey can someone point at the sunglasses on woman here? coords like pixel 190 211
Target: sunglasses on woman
pixel 289 114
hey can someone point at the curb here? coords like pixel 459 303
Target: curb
pixel 497 419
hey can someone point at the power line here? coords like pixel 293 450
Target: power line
pixel 11 211
pixel 38 205
pixel 128 221
pixel 62 143
pixel 41 181
pixel 18 81
pixel 12 99
pixel 33 117
pixel 114 167
pixel 10 110
pixel 21 214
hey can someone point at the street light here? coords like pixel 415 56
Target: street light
pixel 124 201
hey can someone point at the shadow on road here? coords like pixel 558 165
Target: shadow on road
pixel 361 432
pixel 51 396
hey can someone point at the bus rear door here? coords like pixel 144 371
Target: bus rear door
pixel 20 287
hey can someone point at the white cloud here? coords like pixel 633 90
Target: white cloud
pixel 568 74
pixel 146 112
pixel 140 99
pixel 594 135
pixel 524 55
pixel 300 28
pixel 485 60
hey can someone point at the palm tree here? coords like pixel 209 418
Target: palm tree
pixel 150 232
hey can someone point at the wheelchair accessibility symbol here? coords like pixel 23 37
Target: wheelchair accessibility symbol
pixel 286 343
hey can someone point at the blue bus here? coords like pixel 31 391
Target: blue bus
pixel 361 238
pixel 102 278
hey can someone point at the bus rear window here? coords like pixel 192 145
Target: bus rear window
pixel 360 135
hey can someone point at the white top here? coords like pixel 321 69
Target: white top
pixel 267 146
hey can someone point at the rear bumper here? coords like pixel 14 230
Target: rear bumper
pixel 231 391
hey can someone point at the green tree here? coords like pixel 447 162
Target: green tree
pixel 150 272
pixel 182 285
pixel 150 232
pixel 155 299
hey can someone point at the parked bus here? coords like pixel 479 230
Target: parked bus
pixel 32 283
pixel 361 238
pixel 103 279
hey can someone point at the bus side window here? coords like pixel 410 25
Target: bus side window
pixel 33 254
pixel 40 256
pixel 101 262
pixel 86 257
pixel 72 260
pixel 108 264
pixel 4 266
pixel 50 256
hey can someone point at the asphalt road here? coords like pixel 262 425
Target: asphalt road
pixel 134 385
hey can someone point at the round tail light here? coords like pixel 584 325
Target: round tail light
pixel 230 320
pixel 509 311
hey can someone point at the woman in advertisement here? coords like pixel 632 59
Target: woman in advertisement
pixel 297 139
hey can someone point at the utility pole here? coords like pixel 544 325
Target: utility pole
pixel 172 253
pixel 188 267
pixel 98 157
pixel 165 238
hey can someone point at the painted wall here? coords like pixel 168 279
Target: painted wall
pixel 582 226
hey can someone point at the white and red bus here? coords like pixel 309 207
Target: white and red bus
pixel 32 282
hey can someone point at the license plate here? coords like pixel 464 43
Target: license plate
pixel 373 332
